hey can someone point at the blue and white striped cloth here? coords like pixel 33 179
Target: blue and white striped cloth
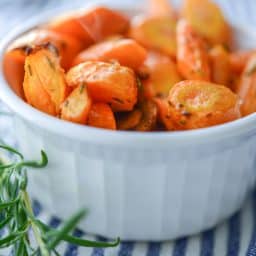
pixel 235 237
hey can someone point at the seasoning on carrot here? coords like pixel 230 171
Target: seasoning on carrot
pixel 192 57
pixel 125 51
pixel 77 105
pixel 42 69
pixel 106 83
pixel 197 104
pixel 101 116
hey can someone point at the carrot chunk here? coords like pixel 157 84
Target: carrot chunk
pixel 126 51
pixel 106 83
pixel 239 59
pixel 77 106
pixel 160 8
pixel 91 26
pixel 192 57
pixel 207 19
pixel 101 116
pixel 42 69
pixel 197 104
pixel 13 68
pixel 246 89
pixel 220 65
pixel 157 33
pixel 162 71
pixel 129 120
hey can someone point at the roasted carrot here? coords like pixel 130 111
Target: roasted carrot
pixel 149 116
pixel 246 89
pixel 13 67
pixel 220 65
pixel 197 104
pixel 129 120
pixel 192 57
pixel 126 51
pixel 77 105
pixel 239 59
pixel 107 83
pixel 163 113
pixel 160 8
pixel 157 33
pixel 91 26
pixel 43 67
pixel 163 73
pixel 207 19
pixel 101 116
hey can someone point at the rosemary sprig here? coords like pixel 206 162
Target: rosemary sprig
pixel 17 217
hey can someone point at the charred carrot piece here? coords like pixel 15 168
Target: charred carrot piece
pixel 101 116
pixel 125 51
pixel 42 68
pixel 197 104
pixel 192 57
pixel 77 105
pixel 129 120
pixel 149 116
pixel 106 83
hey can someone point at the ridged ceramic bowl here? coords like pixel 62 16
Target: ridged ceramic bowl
pixel 143 186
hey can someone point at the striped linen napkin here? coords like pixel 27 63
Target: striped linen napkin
pixel 234 237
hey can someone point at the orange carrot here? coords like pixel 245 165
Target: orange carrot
pixel 157 33
pixel 197 104
pixel 91 26
pixel 42 69
pixel 207 19
pixel 107 83
pixel 192 57
pixel 13 68
pixel 220 65
pixel 246 89
pixel 101 116
pixel 163 73
pixel 126 51
pixel 77 106
pixel 239 59
pixel 160 8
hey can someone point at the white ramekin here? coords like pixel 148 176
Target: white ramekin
pixel 144 186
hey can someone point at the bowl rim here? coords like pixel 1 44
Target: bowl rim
pixel 238 127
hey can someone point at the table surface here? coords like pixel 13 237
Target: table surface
pixel 235 237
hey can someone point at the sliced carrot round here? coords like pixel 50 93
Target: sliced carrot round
pixel 197 104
